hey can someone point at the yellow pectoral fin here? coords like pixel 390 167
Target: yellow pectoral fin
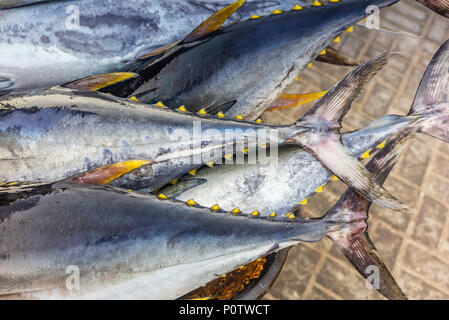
pixel 286 101
pixel 106 174
pixel 213 22
pixel 95 83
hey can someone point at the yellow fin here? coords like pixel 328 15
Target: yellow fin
pixel 320 189
pixel 162 197
pixel 229 156
pixel 316 3
pixel 202 112
pixel 334 178
pixel 210 164
pixel 286 101
pixel 106 174
pixel 95 83
pixel 366 155
pixel 220 115
pixel 236 211
pixel 213 22
pixel 259 121
pixel 134 98
pixel 297 7
pixel 160 104
pixel 191 203
pixel 255 213
pixel 304 202
pixel 273 214
pixel 239 117
pixel 174 181
pixel 322 53
pixel 215 208
pixel 290 215
pixel 337 39
pixel 350 29
pixel 192 172
pixel 182 109
pixel 381 146
pixel 277 11
pixel 253 17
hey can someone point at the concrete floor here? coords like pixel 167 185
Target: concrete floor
pixel 414 246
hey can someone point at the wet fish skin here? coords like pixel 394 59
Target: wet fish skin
pixel 72 132
pixel 129 246
pixel 297 176
pixel 245 61
pixel 112 35
pixel 439 6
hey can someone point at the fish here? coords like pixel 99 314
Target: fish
pixel 354 242
pixel 82 38
pixel 126 245
pixel 298 175
pixel 439 6
pixel 242 68
pixel 62 132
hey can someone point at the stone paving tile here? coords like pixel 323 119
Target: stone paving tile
pixel 415 246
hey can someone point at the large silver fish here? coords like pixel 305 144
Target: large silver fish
pixel 60 133
pixel 242 68
pixel 62 41
pixel 130 246
pixel 298 175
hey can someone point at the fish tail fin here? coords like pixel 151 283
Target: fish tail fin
pixel 321 135
pixel 352 239
pixel 431 103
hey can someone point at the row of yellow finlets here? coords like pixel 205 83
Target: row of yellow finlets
pixel 202 112
pixel 236 211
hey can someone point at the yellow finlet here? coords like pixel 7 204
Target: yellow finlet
pixel 307 218
pixel 316 3
pixel 304 202
pixel 297 7
pixel 273 214
pixel 210 164
pixel 350 29
pixel 309 65
pixel 134 98
pixel 334 178
pixel 297 78
pixel 245 150
pixel 381 146
pixel 334 1
pixel 236 211
pixel 182 109
pixel 191 203
pixel 202 112
pixel 161 104
pixel 162 196
pixel 322 53
pixel 239 117
pixel 174 181
pixel 290 215
pixel 366 155
pixel 229 156
pixel 259 121
pixel 220 115
pixel 264 145
pixel 255 213
pixel 337 39
pixel 254 17
pixel 193 172
pixel 320 189
pixel 215 208
pixel 277 11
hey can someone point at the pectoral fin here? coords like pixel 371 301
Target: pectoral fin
pixel 333 56
pixel 287 101
pixel 213 22
pixel 106 174
pixel 98 82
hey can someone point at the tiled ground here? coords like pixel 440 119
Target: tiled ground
pixel 414 246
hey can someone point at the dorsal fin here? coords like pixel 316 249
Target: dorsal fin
pixel 213 22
